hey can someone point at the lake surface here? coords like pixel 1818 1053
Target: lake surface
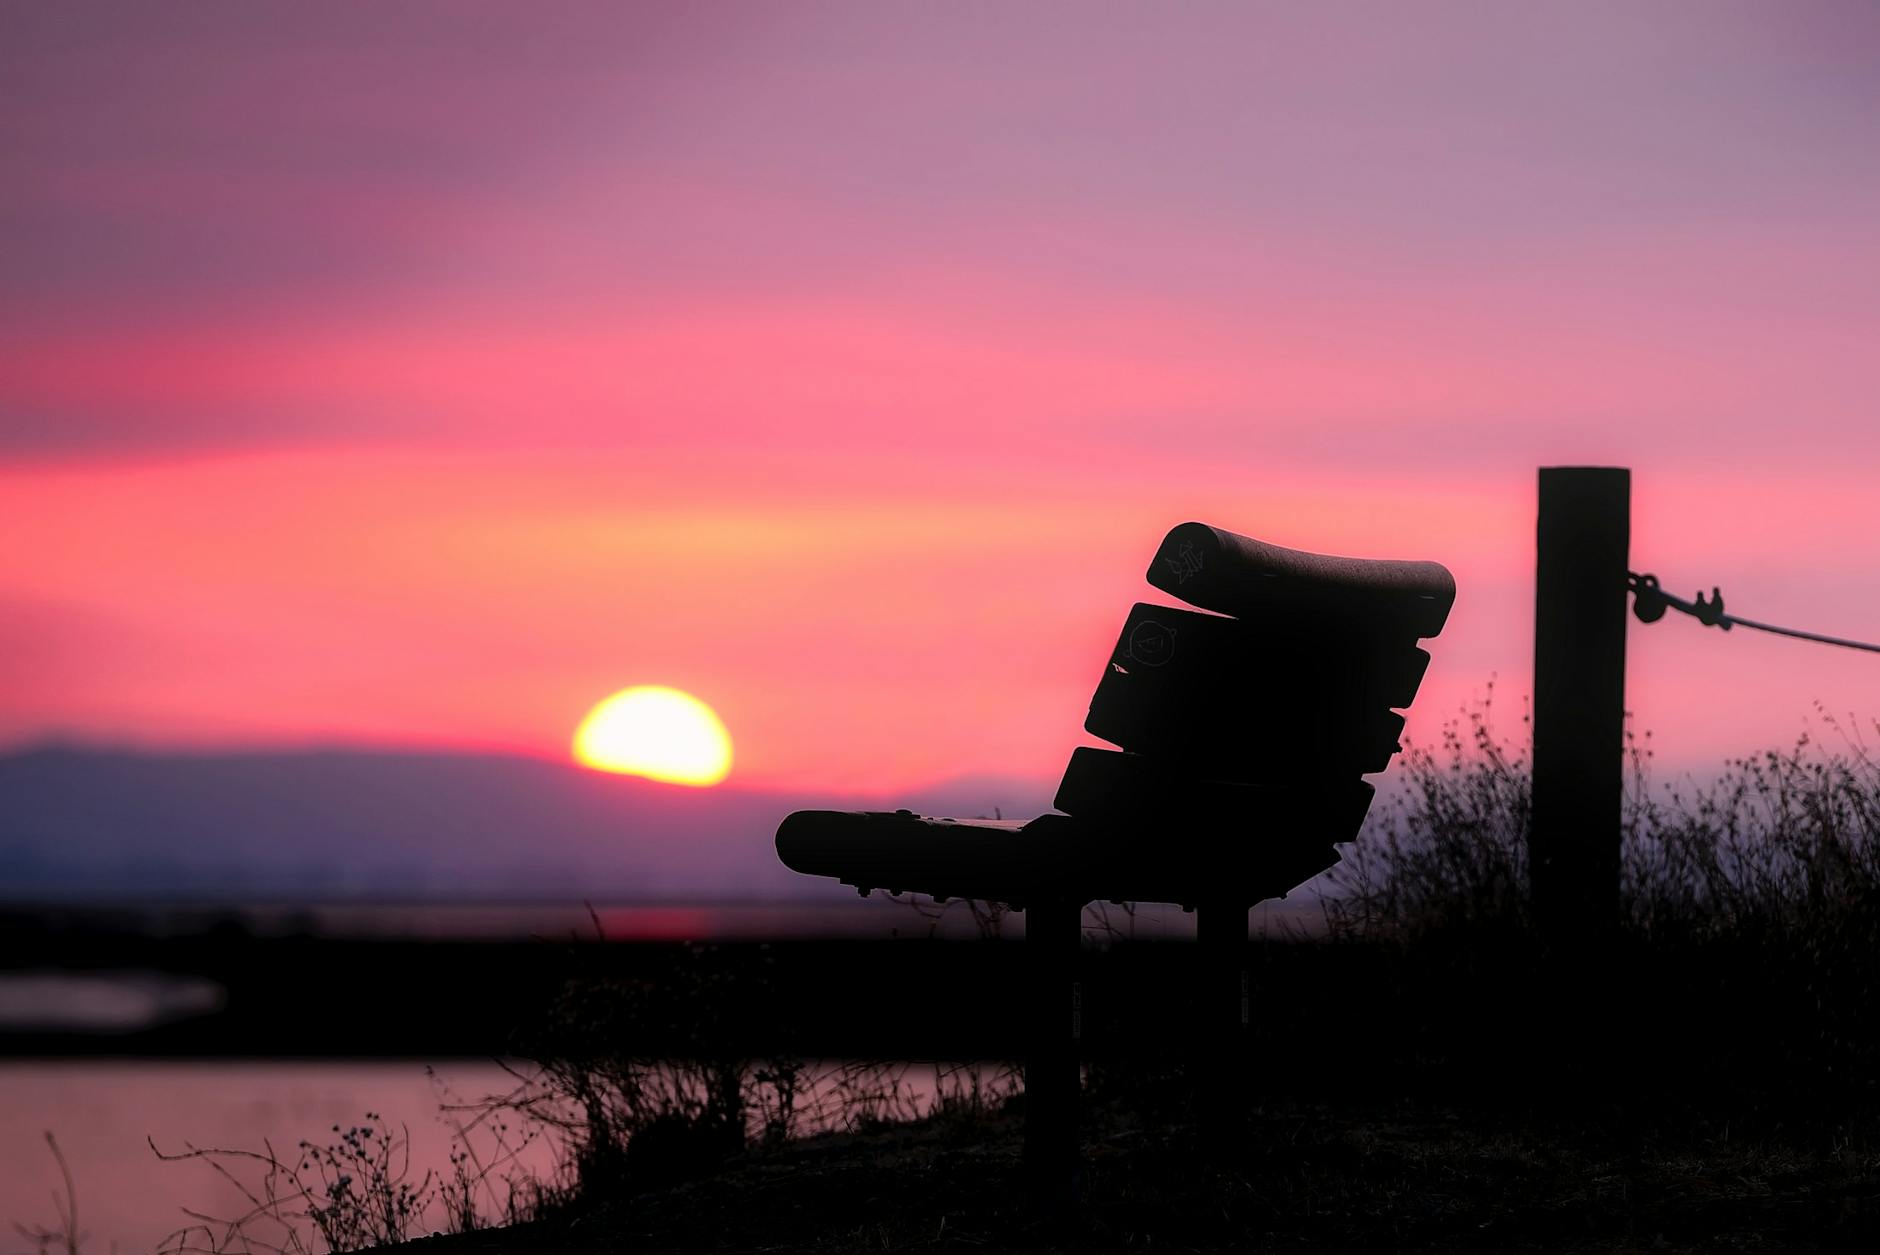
pixel 104 1115
pixel 103 1112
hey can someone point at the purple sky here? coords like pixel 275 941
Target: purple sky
pixel 421 374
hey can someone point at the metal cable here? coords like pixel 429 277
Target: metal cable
pixel 1650 601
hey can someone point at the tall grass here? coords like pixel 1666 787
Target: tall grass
pixel 1743 968
pixel 633 1116
pixel 1781 847
pixel 1448 847
pixel 357 1187
pixel 1785 846
pixel 625 1085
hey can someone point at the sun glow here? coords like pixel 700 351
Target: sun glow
pixel 656 732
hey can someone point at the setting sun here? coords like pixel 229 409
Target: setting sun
pixel 656 732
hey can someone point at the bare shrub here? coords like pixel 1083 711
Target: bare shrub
pixel 1448 848
pixel 67 1236
pixel 357 1189
pixel 1782 849
pixel 1786 843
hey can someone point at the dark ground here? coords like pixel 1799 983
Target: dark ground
pixel 1405 1177
pixel 1464 1093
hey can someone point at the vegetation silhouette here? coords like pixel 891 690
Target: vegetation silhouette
pixel 1423 1078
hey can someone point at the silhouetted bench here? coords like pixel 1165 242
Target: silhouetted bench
pixel 1244 728
pixel 1243 735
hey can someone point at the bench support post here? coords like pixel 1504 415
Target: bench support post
pixel 1224 1014
pixel 1053 937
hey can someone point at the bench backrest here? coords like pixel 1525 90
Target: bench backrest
pixel 1243 733
pixel 1244 729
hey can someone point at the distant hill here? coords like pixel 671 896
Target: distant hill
pixel 88 823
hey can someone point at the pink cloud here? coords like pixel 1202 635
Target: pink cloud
pixel 853 628
pixel 385 378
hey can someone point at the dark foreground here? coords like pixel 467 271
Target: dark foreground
pixel 1466 1093
pixel 1459 1090
pixel 1306 1178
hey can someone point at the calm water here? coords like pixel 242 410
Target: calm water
pixel 102 1113
pixel 128 1200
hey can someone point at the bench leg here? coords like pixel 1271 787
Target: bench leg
pixel 1053 937
pixel 1221 1080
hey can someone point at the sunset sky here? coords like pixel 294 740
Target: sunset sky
pixel 418 375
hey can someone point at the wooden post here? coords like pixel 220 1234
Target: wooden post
pixel 1053 1077
pixel 1221 1080
pixel 1579 699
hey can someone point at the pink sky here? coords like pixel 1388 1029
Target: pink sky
pixel 419 377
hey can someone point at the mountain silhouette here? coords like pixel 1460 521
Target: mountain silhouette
pixel 92 823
